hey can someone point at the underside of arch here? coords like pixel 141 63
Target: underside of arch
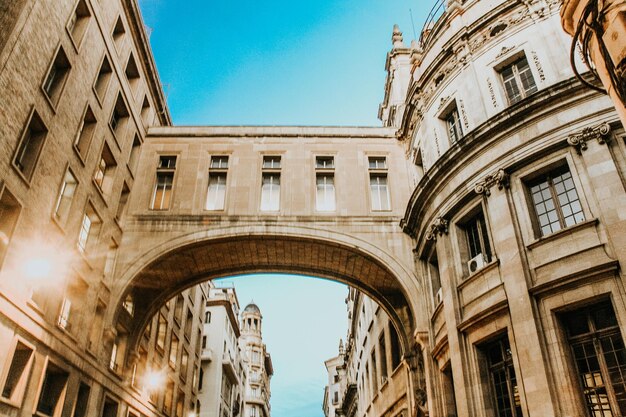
pixel 193 263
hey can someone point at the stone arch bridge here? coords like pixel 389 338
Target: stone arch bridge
pixel 177 235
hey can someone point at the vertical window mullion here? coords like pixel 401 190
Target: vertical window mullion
pixel 557 203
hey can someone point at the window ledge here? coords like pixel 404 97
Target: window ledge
pixel 13 404
pixel 557 235
pixel 482 271
pixel 100 192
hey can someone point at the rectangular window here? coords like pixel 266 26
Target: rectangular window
pixel 132 73
pixel 102 80
pixel 382 351
pixel 118 32
pixel 121 205
pixel 184 363
pixel 169 397
pixel 173 350
pixel 77 25
pixel 555 200
pixel 377 162
pixel 30 146
pixel 518 80
pixel 53 391
pixel 599 355
pixel 9 213
pixel 271 162
pixel 161 332
pixel 64 315
pixel 57 76
pixel 178 309
pixel 216 194
pixel 379 191
pixel 180 400
pixel 109 408
pixel 188 325
pixel 270 192
pixel 85 133
pixel 325 162
pixel 161 198
pixel 145 111
pixel 479 250
pixel 119 117
pixel 504 389
pixel 374 373
pixel 105 170
pixel 396 353
pixel 325 183
pixel 14 384
pixel 453 124
pixel 82 400
pixel 89 229
pixel 432 265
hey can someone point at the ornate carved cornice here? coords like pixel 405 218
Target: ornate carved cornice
pixel 437 228
pixel 499 178
pixel 599 132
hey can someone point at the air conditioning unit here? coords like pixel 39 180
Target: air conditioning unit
pixel 438 297
pixel 476 263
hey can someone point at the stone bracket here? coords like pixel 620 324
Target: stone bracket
pixel 499 178
pixel 599 132
pixel 438 227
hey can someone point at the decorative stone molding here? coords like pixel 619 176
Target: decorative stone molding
pixel 499 178
pixel 505 50
pixel 108 337
pixel 599 132
pixel 437 228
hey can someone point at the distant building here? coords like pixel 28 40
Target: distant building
pixel 368 377
pixel 258 363
pixel 336 383
pixel 222 376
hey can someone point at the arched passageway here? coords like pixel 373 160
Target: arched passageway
pixel 164 271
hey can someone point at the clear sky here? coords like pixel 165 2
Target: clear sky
pixel 276 62
pixel 281 62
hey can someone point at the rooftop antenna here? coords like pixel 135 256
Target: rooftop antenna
pixel 413 24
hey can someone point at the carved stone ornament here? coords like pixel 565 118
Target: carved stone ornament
pixel 599 132
pixel 437 228
pixel 499 178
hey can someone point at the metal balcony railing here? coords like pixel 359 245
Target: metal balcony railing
pixel 437 11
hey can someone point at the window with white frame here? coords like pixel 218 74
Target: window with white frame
pixel 270 183
pixel 477 240
pixel 518 80
pixel 216 193
pixel 325 183
pixel 453 124
pixel 555 201
pixel 89 229
pixel 379 189
pixel 162 195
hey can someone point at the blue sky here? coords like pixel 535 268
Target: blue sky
pixel 281 62
pixel 276 62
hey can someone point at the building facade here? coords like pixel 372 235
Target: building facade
pixel 258 363
pixel 520 171
pixel 223 374
pixel 78 91
pixel 368 377
pixel 485 218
